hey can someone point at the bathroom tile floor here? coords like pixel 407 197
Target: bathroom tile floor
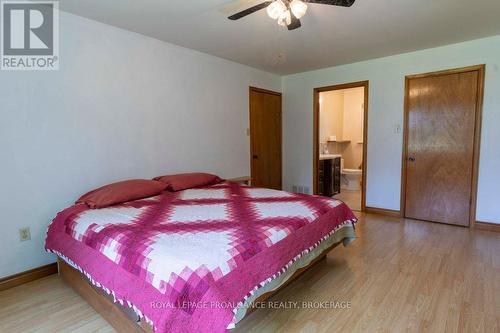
pixel 351 198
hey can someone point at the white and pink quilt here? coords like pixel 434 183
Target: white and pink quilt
pixel 185 260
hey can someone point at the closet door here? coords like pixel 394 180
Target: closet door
pixel 265 137
pixel 440 145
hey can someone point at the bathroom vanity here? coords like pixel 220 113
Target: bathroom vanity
pixel 329 175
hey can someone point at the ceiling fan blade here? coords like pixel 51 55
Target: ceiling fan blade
pixel 342 3
pixel 249 11
pixel 295 24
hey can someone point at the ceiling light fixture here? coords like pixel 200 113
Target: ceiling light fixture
pixel 288 12
pixel 282 10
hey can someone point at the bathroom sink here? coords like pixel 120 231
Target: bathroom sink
pixel 328 157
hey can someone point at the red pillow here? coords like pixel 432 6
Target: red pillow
pixel 188 180
pixel 120 192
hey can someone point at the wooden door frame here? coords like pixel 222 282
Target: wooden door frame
pixel 481 69
pixel 316 109
pixel 265 91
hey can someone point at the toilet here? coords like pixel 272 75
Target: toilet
pixel 351 178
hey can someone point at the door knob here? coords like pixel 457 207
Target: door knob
pixel 411 159
pixel 255 157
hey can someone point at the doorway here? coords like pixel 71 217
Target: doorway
pixel 265 138
pixel 340 142
pixel 441 145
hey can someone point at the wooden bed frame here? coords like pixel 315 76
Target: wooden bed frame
pixel 117 316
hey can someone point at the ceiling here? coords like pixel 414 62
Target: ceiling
pixel 329 35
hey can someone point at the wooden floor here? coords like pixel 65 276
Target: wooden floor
pixel 351 198
pixel 400 276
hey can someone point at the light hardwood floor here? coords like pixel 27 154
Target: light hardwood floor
pixel 351 198
pixel 400 276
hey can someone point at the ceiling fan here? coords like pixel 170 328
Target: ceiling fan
pixel 288 12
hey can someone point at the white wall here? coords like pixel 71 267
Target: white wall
pixel 122 105
pixel 386 100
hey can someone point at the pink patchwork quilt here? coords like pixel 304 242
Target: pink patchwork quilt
pixel 185 261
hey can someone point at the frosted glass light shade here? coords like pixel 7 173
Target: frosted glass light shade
pixel 299 8
pixel 285 19
pixel 276 9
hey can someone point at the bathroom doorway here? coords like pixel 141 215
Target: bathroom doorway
pixel 340 141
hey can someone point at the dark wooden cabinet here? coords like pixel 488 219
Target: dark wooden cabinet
pixel 329 177
pixel 337 173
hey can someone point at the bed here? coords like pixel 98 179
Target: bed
pixel 194 260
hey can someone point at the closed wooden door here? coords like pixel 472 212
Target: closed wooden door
pixel 265 137
pixel 441 124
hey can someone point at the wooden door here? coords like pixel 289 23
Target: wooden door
pixel 442 115
pixel 265 137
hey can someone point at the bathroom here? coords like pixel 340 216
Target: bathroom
pixel 341 144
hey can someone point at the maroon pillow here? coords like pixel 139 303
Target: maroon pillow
pixel 188 180
pixel 120 192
